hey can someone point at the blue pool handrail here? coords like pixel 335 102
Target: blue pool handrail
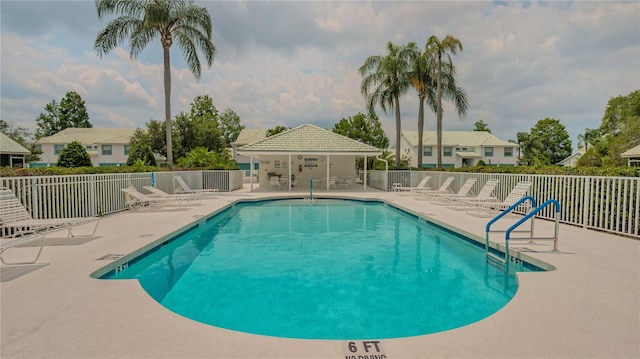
pixel 310 189
pixel 532 213
pixel 500 215
pixel 508 210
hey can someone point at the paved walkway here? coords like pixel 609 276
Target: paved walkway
pixel 588 307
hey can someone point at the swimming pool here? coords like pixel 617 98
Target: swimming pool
pixel 337 269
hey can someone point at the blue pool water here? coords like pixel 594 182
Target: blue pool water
pixel 337 269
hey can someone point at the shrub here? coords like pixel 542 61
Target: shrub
pixel 74 155
pixel 143 152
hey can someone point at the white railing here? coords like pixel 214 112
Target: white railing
pixel 96 194
pixel 610 204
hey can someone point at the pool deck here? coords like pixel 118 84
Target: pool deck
pixel 589 307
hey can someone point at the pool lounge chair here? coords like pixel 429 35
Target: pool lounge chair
pixel 182 187
pixel 137 199
pixel 485 194
pixel 17 221
pixel 405 190
pixel 190 197
pixel 424 195
pixel 487 207
pixel 464 191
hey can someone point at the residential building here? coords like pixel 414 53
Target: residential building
pixel 12 153
pixel 459 148
pixel 106 146
pixel 572 160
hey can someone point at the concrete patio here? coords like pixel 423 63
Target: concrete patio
pixel 589 306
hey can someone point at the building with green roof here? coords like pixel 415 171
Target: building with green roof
pixel 308 152
pixel 12 153
pixel 632 155
pixel 459 148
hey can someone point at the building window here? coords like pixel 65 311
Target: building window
pixel 488 151
pixel 127 148
pixel 508 151
pixel 57 149
pixel 39 147
pixel 427 151
pixel 447 151
pixel 106 150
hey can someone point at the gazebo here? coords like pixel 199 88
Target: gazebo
pixel 12 153
pixel 632 156
pixel 307 156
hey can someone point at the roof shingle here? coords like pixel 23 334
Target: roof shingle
pixel 309 139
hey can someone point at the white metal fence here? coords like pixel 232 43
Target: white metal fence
pixel 95 194
pixel 610 204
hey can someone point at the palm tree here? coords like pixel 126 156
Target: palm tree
pixel 436 49
pixel 389 75
pixel 423 80
pixel 142 21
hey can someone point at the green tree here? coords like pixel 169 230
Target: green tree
pixel 73 111
pixel 481 126
pixel 154 136
pixel 363 128
pixel 436 50
pixel 74 154
pixel 49 122
pixel 141 151
pixel 70 112
pixel 385 79
pixel 230 126
pixel 620 128
pixel 276 130
pixel 549 143
pixel 200 157
pixel 199 128
pixel 142 21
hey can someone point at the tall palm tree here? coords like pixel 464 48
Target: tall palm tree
pixel 436 50
pixel 142 21
pixel 423 80
pixel 389 75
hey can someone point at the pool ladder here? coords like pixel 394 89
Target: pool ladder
pixel 493 255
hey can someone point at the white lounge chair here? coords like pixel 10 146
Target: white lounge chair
pixel 6 243
pixel 137 199
pixel 519 191
pixel 16 220
pixel 464 191
pixel 485 194
pixel 182 187
pixel 422 185
pixel 424 195
pixel 189 197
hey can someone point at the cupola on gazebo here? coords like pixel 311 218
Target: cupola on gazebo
pixel 306 156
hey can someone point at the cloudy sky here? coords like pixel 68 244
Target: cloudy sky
pixel 290 63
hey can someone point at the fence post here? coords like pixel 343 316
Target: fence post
pixel 585 201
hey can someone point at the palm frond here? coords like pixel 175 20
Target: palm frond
pixel 116 31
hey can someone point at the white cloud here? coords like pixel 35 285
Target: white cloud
pixel 287 63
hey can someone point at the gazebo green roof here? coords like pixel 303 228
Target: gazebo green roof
pixel 309 139
pixel 9 146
